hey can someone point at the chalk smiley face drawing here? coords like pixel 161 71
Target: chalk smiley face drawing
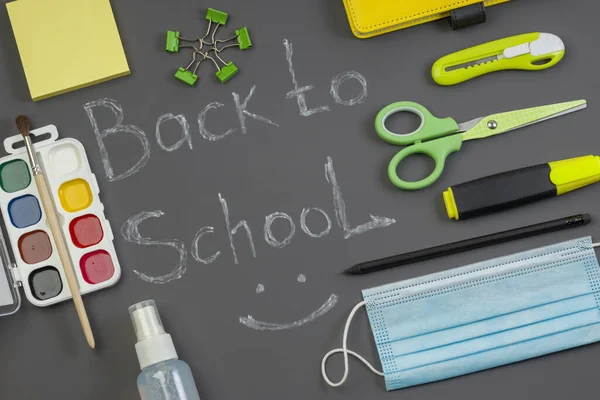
pixel 252 323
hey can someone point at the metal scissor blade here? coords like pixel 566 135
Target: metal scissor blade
pixel 465 126
pixel 506 122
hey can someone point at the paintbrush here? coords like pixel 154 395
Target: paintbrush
pixel 52 217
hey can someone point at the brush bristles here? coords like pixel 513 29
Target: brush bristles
pixel 23 125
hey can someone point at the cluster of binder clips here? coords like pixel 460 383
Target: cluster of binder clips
pixel 207 48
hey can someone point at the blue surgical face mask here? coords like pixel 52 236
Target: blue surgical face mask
pixel 483 315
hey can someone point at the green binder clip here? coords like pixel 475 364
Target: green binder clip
pixel 216 16
pixel 172 41
pixel 208 47
pixel 186 76
pixel 243 38
pixel 227 72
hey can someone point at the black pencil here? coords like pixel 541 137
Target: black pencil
pixel 469 244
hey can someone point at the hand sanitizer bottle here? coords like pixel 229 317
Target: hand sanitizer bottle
pixel 163 376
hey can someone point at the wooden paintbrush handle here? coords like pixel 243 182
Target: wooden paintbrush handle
pixel 65 259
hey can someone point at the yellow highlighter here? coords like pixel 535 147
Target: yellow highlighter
pixel 519 187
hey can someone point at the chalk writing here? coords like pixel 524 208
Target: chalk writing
pixel 250 322
pixel 240 106
pixel 270 238
pixel 340 78
pixel 202 126
pixel 185 130
pixel 117 110
pixel 305 227
pixel 340 208
pixel 131 233
pixel 242 112
pixel 299 93
pixel 231 232
pixel 130 229
pixel 196 252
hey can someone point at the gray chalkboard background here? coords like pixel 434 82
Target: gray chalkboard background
pixel 282 169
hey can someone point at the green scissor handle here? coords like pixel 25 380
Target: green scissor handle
pixel 438 149
pixel 431 127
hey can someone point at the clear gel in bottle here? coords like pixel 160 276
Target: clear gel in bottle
pixel 163 376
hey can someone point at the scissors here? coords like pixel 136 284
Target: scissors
pixel 439 137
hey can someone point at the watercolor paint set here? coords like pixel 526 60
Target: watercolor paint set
pixel 35 264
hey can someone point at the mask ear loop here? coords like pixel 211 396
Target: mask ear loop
pixel 344 350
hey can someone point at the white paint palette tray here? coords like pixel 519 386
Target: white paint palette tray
pixel 36 265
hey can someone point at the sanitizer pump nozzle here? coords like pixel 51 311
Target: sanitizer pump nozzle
pixel 163 376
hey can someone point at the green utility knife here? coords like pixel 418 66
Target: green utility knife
pixel 530 51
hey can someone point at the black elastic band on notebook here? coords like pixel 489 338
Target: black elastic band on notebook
pixel 467 16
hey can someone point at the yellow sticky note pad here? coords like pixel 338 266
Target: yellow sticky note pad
pixel 66 45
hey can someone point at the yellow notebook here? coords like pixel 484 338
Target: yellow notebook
pixel 66 45
pixel 375 17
